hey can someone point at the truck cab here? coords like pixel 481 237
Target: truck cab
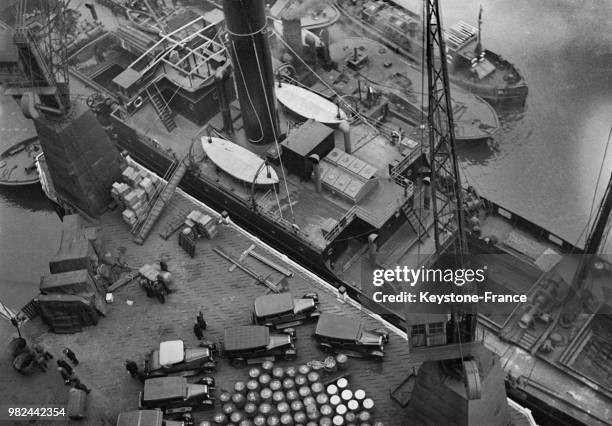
pixel 280 311
pixel 255 344
pixel 174 395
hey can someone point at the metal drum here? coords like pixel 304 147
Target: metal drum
pixel 225 397
pixel 265 395
pixel 253 397
pixel 278 373
pixel 299 418
pixel 278 396
pixel 342 384
pixel 341 361
pixel 335 400
pixel 346 395
pixel 283 407
pixel 240 387
pixel 265 409
pixel 297 406
pixel 250 410
pixel 304 391
pixel 360 395
pixel 313 377
pixel 332 390
pixel 300 380
pixel 322 399
pixel 291 372
pixel 252 385
pixel 292 395
pixel 229 408
pixel 239 400
pixel 254 373
pixel 267 366
pixel 264 380
pixel 236 417
pixel 286 419
pixel 220 418
pixel 288 383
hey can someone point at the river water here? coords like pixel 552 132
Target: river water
pixel 543 164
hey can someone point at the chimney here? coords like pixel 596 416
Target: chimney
pixel 316 168
pixel 292 33
pixel 252 66
pixel 221 77
pixel 346 132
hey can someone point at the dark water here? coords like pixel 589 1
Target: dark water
pixel 543 164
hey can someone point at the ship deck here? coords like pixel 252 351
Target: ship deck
pixel 298 200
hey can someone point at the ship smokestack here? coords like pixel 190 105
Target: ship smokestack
pixel 221 77
pixel 345 128
pixel 292 33
pixel 252 65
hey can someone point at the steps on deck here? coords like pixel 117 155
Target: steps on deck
pixel 161 107
pixel 161 201
pixel 414 221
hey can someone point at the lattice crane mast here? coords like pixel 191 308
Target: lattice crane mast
pixel 447 200
pixel 42 57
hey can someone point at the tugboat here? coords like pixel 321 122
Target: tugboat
pixel 480 71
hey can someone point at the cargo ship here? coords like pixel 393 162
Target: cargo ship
pixel 472 67
pixel 351 194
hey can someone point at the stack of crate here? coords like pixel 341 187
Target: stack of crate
pixel 203 223
pixel 134 194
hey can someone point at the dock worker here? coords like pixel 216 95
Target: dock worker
pixel 163 266
pixel 65 366
pixel 197 330
pixel 71 356
pixel 40 349
pixel 131 367
pixel 65 375
pixel 200 320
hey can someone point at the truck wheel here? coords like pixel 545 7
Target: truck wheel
pixel 238 362
pixel 209 368
pixel 208 381
pixel 325 347
pixel 148 290
pixel 161 297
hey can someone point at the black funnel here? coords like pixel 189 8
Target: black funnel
pixel 252 64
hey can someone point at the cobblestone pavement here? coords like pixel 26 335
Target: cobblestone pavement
pixel 201 283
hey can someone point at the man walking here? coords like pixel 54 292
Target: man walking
pixel 197 330
pixel 201 321
pixel 65 375
pixel 65 366
pixel 71 356
pixel 163 266
pixel 131 367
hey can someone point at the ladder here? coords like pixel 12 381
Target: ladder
pixel 158 206
pixel 413 220
pixel 161 107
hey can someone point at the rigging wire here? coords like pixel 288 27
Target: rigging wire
pixel 263 86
